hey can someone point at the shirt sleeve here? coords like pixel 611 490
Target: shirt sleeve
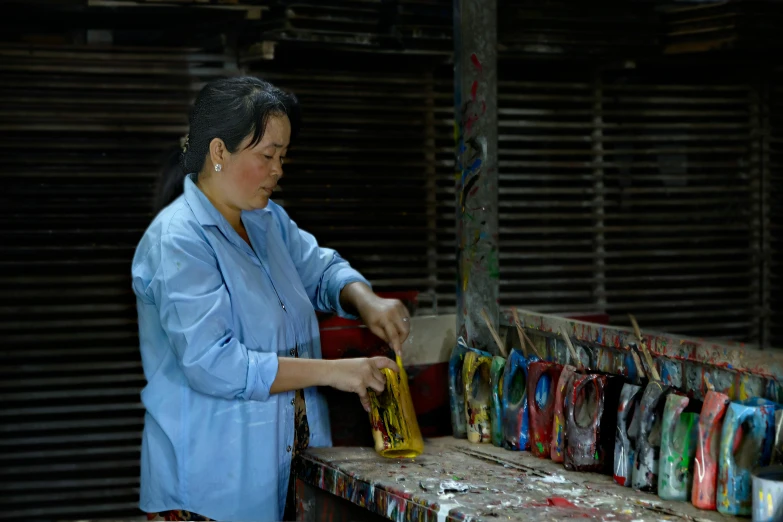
pixel 195 312
pixel 323 272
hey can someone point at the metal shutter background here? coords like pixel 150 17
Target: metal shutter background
pixel 82 131
pixel 773 215
pixel 626 193
pixel 377 26
pixel 680 201
pixel 546 199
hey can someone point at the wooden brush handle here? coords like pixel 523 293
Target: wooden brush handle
pixel 520 333
pixel 571 348
pixel 501 346
pixel 645 351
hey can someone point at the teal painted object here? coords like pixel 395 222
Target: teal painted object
pixel 514 401
pixel 496 411
pixel 679 436
pixel 746 442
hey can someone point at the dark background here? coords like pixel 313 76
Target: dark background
pixel 641 156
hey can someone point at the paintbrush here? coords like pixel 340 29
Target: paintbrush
pixel 645 351
pixel 571 349
pixel 501 346
pixel 520 333
pixel 523 336
pixel 638 363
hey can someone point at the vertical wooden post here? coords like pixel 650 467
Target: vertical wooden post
pixel 476 133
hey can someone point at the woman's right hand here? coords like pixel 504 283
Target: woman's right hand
pixel 356 375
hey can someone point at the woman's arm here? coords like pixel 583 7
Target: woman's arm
pixel 323 272
pixel 195 312
pixel 333 285
pixel 181 277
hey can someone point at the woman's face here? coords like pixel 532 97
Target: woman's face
pixel 249 175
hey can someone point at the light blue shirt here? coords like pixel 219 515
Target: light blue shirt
pixel 214 317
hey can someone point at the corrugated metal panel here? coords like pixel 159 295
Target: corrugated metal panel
pixel 628 193
pixel 547 193
pixel 722 25
pixel 680 195
pixel 773 215
pixel 81 129
pixel 569 28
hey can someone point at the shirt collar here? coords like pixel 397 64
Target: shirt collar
pixel 208 215
pixel 202 208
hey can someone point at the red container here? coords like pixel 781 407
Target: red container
pixel 705 473
pixel 541 418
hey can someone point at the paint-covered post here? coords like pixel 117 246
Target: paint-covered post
pixel 476 132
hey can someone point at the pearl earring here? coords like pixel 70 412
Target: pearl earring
pixel 218 167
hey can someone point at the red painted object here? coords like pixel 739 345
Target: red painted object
pixel 564 385
pixel 541 418
pixel 705 473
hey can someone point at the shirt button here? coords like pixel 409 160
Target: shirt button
pixel 293 401
pixel 288 449
pixel 281 304
pixel 292 352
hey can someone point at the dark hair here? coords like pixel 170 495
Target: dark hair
pixel 230 109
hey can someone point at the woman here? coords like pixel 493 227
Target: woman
pixel 226 288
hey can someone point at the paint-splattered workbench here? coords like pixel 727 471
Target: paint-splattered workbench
pixel 456 480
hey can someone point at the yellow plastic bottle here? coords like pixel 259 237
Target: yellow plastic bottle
pixel 393 419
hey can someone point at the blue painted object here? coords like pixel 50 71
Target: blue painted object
pixel 629 368
pixel 514 400
pixel 739 455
